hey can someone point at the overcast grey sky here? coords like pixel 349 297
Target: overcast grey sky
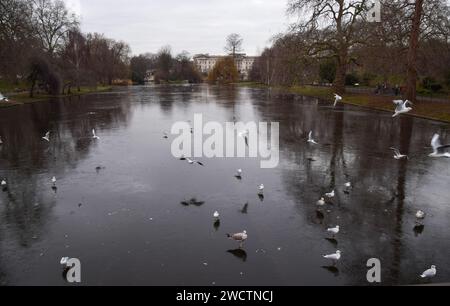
pixel 197 26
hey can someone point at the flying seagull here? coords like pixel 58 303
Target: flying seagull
pixel 439 150
pixel 429 273
pixel 334 230
pixel 94 136
pixel 334 257
pixel 3 98
pixel 192 161
pixel 47 137
pixel 310 138
pixel 401 107
pixel 337 98
pixel 239 237
pixel 398 155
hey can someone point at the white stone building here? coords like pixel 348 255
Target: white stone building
pixel 205 63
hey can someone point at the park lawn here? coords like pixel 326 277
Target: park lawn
pixel 24 97
pixel 425 109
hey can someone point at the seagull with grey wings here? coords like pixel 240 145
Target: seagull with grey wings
pixel 310 138
pixel 429 273
pixel 47 137
pixel 337 98
pixel 239 237
pixel 402 107
pixel 398 155
pixel 439 150
pixel 193 161
pixel 3 98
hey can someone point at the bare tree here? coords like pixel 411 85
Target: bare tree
pixel 412 52
pixel 332 28
pixel 234 44
pixel 73 57
pixel 16 37
pixel 52 21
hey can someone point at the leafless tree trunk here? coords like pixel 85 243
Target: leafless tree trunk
pixel 412 52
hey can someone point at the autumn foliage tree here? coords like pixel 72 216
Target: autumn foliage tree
pixel 224 72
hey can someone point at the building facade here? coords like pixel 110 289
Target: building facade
pixel 205 63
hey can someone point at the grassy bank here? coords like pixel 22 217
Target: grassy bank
pixel 24 97
pixel 424 109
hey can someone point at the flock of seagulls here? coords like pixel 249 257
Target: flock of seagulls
pixel 439 150
pixel 46 137
pixel 402 107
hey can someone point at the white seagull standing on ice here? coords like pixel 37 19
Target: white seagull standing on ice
pixel 261 189
pixel 239 237
pixel 47 137
pixel 216 215
pixel 429 273
pixel 398 155
pixel 1 141
pixel 337 98
pixel 239 173
pixel 53 181
pixel 334 230
pixel 64 261
pixel 334 257
pixel 330 194
pixel 420 215
pixel 244 133
pixel 310 138
pixel 4 183
pixel 94 136
pixel 321 202
pixel 402 107
pixel 438 148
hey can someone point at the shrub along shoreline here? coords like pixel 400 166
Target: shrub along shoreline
pixel 24 97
